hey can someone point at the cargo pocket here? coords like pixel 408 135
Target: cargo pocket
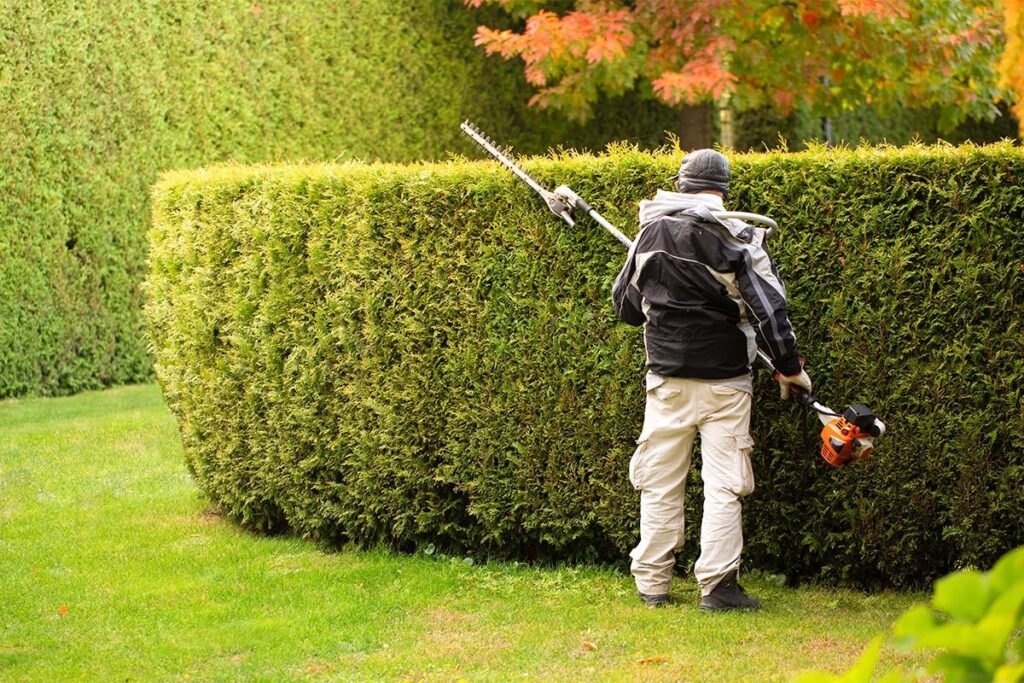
pixel 666 394
pixel 657 387
pixel 638 466
pixel 744 470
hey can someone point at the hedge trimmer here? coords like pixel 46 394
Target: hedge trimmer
pixel 845 437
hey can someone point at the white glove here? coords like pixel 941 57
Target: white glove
pixel 788 381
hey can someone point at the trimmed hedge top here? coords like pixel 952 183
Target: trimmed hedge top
pixel 423 354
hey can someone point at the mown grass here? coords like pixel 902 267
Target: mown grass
pixel 113 567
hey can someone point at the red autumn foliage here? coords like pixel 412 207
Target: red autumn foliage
pixel 827 54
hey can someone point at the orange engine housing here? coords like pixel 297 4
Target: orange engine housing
pixel 839 440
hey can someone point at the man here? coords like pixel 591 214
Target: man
pixel 707 294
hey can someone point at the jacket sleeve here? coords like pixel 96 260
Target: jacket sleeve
pixel 764 296
pixel 626 297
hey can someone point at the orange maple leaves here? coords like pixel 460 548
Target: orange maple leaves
pixel 831 54
pixel 704 75
pixel 880 9
pixel 549 40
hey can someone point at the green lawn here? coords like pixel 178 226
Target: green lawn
pixel 113 567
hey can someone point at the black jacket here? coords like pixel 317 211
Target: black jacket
pixel 707 295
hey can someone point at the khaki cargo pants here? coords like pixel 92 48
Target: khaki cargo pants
pixel 677 409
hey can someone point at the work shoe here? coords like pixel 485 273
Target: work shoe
pixel 654 600
pixel 728 595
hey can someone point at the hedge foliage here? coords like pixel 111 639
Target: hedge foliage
pixel 761 129
pixel 423 354
pixel 97 98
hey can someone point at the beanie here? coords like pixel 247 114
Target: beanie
pixel 703 169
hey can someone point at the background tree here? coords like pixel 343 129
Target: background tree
pixel 1011 67
pixel 828 55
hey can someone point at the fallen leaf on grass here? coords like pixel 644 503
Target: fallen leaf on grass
pixel 62 611
pixel 319 667
pixel 587 645
pixel 652 660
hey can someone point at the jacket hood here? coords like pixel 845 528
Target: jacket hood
pixel 700 205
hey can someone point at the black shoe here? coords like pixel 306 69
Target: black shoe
pixel 654 600
pixel 728 595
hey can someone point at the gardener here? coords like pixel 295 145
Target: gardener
pixel 707 294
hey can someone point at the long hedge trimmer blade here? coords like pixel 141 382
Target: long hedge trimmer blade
pixel 553 201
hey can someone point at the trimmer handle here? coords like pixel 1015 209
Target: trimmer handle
pixel 867 421
pixel 576 201
pixel 803 397
pixel 565 193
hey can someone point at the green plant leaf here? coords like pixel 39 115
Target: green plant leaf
pixel 984 641
pixel 988 639
pixel 1010 602
pixel 959 669
pixel 963 595
pixel 1008 570
pixel 1009 673
pixel 893 676
pixel 973 647
pixel 914 623
pixel 945 636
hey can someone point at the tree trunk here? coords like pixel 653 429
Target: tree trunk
pixel 726 131
pixel 695 127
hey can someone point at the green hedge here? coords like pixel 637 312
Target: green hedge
pixel 758 130
pixel 96 98
pixel 423 354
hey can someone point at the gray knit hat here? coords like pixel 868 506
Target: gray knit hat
pixel 703 169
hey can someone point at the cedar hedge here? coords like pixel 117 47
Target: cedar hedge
pixel 98 97
pixel 423 354
pixel 763 129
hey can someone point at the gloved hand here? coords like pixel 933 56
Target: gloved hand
pixel 786 382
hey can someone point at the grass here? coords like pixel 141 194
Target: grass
pixel 113 567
